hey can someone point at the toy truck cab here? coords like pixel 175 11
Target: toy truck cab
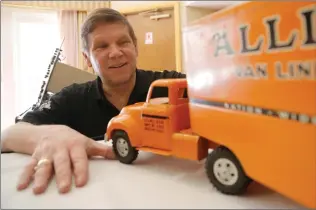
pixel 162 125
pixel 158 125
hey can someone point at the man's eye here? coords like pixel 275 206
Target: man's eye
pixel 125 42
pixel 101 46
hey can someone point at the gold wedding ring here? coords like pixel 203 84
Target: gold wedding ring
pixel 41 162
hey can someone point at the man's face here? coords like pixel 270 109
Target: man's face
pixel 112 53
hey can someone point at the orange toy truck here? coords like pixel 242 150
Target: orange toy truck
pixel 250 95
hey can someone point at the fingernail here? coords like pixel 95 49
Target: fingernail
pixel 23 183
pixel 79 181
pixel 63 187
pixel 111 155
pixel 63 184
pixel 38 189
pixel 21 186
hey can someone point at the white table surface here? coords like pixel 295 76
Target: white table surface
pixel 153 181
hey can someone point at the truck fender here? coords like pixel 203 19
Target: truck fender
pixel 127 125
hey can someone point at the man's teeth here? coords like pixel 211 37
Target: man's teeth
pixel 118 65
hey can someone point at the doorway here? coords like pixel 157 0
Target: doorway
pixel 158 37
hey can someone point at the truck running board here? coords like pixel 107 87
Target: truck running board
pixel 155 151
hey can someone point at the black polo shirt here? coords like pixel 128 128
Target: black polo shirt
pixel 84 107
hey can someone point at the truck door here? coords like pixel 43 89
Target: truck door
pixel 156 120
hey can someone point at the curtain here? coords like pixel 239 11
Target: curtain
pixel 59 5
pixel 68 24
pixel 70 27
pixel 81 16
pixel 7 72
pixel 25 56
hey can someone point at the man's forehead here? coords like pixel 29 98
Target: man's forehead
pixel 116 30
pixel 102 37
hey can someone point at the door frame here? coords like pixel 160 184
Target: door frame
pixel 175 5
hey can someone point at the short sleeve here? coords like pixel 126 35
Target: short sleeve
pixel 54 111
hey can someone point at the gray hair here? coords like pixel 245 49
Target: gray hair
pixel 103 15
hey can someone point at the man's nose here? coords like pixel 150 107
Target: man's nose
pixel 115 51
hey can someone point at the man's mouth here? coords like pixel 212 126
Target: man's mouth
pixel 117 65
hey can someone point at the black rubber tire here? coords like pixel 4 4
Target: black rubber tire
pixel 132 152
pixel 243 181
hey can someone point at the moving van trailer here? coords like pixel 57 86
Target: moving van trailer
pixel 250 95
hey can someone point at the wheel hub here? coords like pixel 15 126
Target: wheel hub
pixel 122 147
pixel 225 171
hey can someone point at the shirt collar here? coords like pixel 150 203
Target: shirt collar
pixel 97 86
pixel 139 91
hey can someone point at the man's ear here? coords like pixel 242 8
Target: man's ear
pixel 87 59
pixel 136 49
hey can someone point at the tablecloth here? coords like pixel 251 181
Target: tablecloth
pixel 153 181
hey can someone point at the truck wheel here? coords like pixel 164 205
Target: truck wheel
pixel 225 172
pixel 122 148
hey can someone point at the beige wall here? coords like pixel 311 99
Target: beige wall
pixel 187 14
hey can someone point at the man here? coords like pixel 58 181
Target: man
pixel 60 136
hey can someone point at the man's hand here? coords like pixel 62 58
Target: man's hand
pixel 64 152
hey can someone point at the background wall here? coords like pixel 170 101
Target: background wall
pixel 189 14
pixel 16 68
pixel 189 11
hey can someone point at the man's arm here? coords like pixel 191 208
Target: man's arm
pixel 24 136
pixel 44 135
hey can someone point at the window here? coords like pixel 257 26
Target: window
pixel 28 44
pixel 182 93
pixel 159 95
pixel 182 96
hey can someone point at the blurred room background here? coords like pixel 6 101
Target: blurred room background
pixel 32 30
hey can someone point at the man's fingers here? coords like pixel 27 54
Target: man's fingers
pixel 62 166
pixel 99 149
pixel 27 174
pixel 42 177
pixel 79 160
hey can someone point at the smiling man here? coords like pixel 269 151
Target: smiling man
pixel 61 137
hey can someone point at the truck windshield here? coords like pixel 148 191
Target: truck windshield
pixel 159 95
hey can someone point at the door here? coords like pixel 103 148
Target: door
pixel 156 121
pixel 156 39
